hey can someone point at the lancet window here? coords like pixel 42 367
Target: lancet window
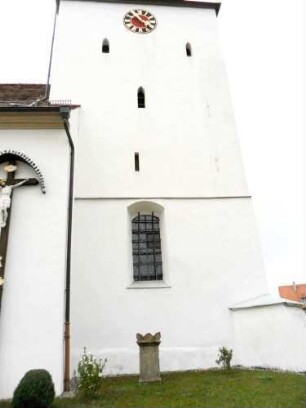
pixel 141 98
pixel 105 46
pixel 188 50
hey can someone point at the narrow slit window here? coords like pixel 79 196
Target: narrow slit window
pixel 105 46
pixel 141 98
pixel 136 161
pixel 188 50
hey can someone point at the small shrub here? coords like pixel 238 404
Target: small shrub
pixel 90 375
pixel 35 390
pixel 225 357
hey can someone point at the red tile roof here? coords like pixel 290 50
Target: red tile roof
pixel 293 292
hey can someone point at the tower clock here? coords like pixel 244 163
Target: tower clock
pixel 139 21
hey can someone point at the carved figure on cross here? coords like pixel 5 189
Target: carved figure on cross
pixel 5 199
pixel 7 187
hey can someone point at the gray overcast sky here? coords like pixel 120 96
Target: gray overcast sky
pixel 263 42
pixel 263 45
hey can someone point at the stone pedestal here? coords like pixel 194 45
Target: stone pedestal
pixel 149 357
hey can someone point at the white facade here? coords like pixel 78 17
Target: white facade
pixel 191 177
pixel 32 310
pixel 190 174
pixel 190 308
pixel 187 103
pixel 271 336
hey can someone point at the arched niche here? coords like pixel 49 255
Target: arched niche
pixel 145 207
pixel 14 156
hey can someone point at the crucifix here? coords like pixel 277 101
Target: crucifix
pixel 6 198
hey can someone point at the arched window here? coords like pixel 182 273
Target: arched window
pixel 188 50
pixel 147 257
pixel 105 46
pixel 141 98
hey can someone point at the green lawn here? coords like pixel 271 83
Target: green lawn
pixel 202 389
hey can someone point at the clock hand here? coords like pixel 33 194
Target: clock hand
pixel 145 22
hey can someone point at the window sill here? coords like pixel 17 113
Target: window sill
pixel 149 285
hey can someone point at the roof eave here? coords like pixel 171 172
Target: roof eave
pixel 50 109
pixel 170 3
pixel 288 304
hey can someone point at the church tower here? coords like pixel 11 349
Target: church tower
pixel 164 236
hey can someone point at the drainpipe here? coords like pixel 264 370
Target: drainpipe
pixel 65 112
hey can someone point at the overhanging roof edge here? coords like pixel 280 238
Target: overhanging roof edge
pixel 171 3
pixel 49 109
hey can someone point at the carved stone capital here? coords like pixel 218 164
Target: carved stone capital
pixel 148 339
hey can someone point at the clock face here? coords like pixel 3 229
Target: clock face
pixel 139 21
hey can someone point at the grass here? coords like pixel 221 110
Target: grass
pixel 200 389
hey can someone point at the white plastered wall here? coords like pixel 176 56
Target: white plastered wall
pixel 210 259
pixel 32 313
pixel 189 153
pixel 185 136
pixel 188 148
pixel 271 336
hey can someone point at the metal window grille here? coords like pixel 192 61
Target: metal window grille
pixel 147 257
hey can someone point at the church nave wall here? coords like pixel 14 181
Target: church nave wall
pixel 32 314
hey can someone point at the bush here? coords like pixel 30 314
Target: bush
pixel 90 374
pixel 35 390
pixel 225 357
